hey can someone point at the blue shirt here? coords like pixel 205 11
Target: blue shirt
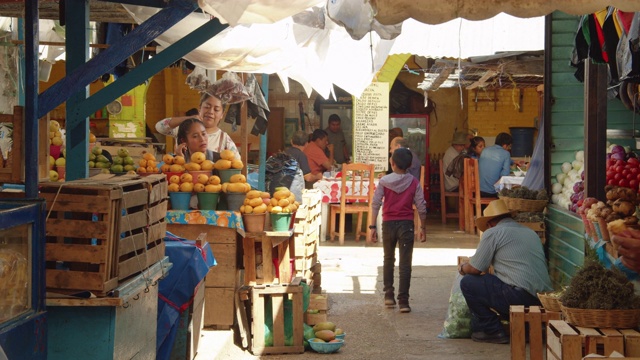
pixel 516 254
pixel 494 163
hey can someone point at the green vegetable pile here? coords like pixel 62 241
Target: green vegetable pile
pixel 523 192
pixel 594 287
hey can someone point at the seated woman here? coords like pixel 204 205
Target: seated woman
pixel 476 146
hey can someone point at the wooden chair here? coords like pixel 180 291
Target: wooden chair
pixel 443 200
pixel 358 178
pixel 472 199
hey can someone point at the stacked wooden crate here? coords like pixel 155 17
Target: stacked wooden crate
pixel 306 232
pixel 102 231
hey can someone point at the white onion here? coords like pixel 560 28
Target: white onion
pixel 577 165
pixel 555 198
pixel 566 167
pixel 556 188
pixel 627 149
pixel 580 155
pixel 561 178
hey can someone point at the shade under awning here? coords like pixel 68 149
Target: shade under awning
pixel 437 11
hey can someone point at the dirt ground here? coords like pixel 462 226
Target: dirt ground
pixel 352 277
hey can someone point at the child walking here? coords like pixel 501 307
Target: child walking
pixel 400 191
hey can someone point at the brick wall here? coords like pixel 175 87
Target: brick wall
pixel 491 118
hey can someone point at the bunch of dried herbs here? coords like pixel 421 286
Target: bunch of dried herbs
pixel 595 287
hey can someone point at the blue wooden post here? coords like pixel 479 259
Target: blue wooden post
pixel 31 96
pixel 77 41
pixel 263 139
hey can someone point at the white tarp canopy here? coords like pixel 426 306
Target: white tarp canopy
pixel 317 56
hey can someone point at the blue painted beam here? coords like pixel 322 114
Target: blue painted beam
pixel 77 41
pixel 149 68
pixel 147 3
pixel 115 54
pixel 31 117
pixel 263 139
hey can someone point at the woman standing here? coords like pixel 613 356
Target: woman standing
pixel 210 113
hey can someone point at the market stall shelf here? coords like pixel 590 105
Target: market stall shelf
pixel 103 230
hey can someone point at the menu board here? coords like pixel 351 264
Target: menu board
pixel 371 126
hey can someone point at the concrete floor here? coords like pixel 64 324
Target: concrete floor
pixel 352 276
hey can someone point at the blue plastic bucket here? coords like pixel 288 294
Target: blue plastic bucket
pixel 207 201
pixel 522 141
pixel 180 200
pixel 280 221
pixel 234 200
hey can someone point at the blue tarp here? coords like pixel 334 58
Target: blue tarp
pixel 175 294
pixel 534 179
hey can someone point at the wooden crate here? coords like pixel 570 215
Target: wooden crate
pixel 219 307
pixel 568 342
pixel 277 293
pixel 224 273
pixel 536 319
pixel 312 318
pixel 93 226
pixel 319 301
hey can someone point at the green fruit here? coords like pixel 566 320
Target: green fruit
pixel 102 159
pixel 339 331
pixel 128 160
pixel 105 171
pixel 92 164
pixel 326 325
pixel 118 160
pixel 129 168
pixel 92 156
pixel 122 152
pixel 61 161
pixel 326 335
pixel 117 168
pixel 317 340
pixel 102 165
pixel 96 151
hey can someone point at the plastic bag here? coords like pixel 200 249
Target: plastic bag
pixel 282 170
pixel 200 78
pixel 229 89
pixel 457 325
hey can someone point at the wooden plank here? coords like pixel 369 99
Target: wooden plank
pixel 158 212
pixel 613 341
pixel 631 342
pixel 157 231
pixel 219 306
pixel 92 254
pixel 249 260
pixel 75 202
pixel 74 228
pixel 157 186
pixel 277 311
pixel 224 273
pixel 257 311
pixel 516 326
pixel 298 327
pixel 61 279
pixel 135 198
pixel 98 301
pixel 536 347
pixel 267 264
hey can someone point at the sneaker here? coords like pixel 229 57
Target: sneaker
pixel 389 299
pixel 404 306
pixel 498 337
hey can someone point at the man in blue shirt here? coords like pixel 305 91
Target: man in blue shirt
pixel 494 162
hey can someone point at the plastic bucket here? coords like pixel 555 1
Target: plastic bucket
pixel 170 174
pixel 253 222
pixel 225 175
pixel 280 221
pixel 207 200
pixel 180 200
pixel 522 141
pixel 234 200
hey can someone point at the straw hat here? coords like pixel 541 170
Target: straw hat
pixel 494 209
pixel 459 138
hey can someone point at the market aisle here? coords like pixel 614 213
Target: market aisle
pixel 352 275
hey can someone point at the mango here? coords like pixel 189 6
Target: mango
pixel 317 340
pixel 227 155
pixel 237 164
pixel 253 194
pixel 282 194
pixel 325 325
pixel 256 202
pixel 262 208
pixel 238 178
pixel 326 335
pixel 338 331
pixel 222 164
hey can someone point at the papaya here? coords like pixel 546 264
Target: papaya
pixel 326 335
pixel 325 325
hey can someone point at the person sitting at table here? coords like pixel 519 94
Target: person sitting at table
pixel 296 150
pixel 476 145
pixel 494 163
pixel 458 143
pixel 318 161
